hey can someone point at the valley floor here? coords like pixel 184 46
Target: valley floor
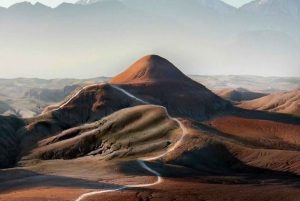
pixel 53 180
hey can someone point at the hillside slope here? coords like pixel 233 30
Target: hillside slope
pixel 283 102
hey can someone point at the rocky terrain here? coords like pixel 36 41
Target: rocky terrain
pixel 151 133
pixel 26 97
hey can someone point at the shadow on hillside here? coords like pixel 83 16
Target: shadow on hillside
pixel 213 164
pixel 9 145
pixel 17 179
pixel 264 115
pixel 283 145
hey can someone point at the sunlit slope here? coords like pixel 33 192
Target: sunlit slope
pixel 283 102
pixel 129 133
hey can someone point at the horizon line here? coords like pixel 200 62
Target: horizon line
pixel 104 76
pixel 53 7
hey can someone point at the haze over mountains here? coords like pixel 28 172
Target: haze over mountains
pixel 275 8
pixel 214 5
pixel 204 37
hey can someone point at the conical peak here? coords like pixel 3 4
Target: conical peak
pixel 150 68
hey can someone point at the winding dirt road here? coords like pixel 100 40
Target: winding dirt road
pixel 142 160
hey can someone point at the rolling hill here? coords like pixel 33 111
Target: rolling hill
pixel 283 102
pixel 239 94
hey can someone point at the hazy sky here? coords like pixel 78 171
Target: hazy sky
pixel 54 3
pixel 237 3
pixel 89 48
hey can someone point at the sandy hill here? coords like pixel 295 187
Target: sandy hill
pixel 238 95
pixel 91 104
pixel 150 68
pixel 283 102
pixel 128 133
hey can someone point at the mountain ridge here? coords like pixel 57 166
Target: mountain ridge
pixel 288 8
pixel 217 5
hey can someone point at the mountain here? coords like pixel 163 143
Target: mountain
pixel 92 104
pixel 214 5
pixel 152 76
pixel 29 10
pixel 98 138
pixel 147 80
pixel 218 5
pixel 151 68
pixel 283 8
pixel 283 102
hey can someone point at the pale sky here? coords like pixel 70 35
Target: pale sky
pixel 54 3
pixel 237 3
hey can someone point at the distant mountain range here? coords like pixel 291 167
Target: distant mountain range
pixel 256 38
pixel 282 8
pixel 286 8
pixel 274 8
pixel 216 5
